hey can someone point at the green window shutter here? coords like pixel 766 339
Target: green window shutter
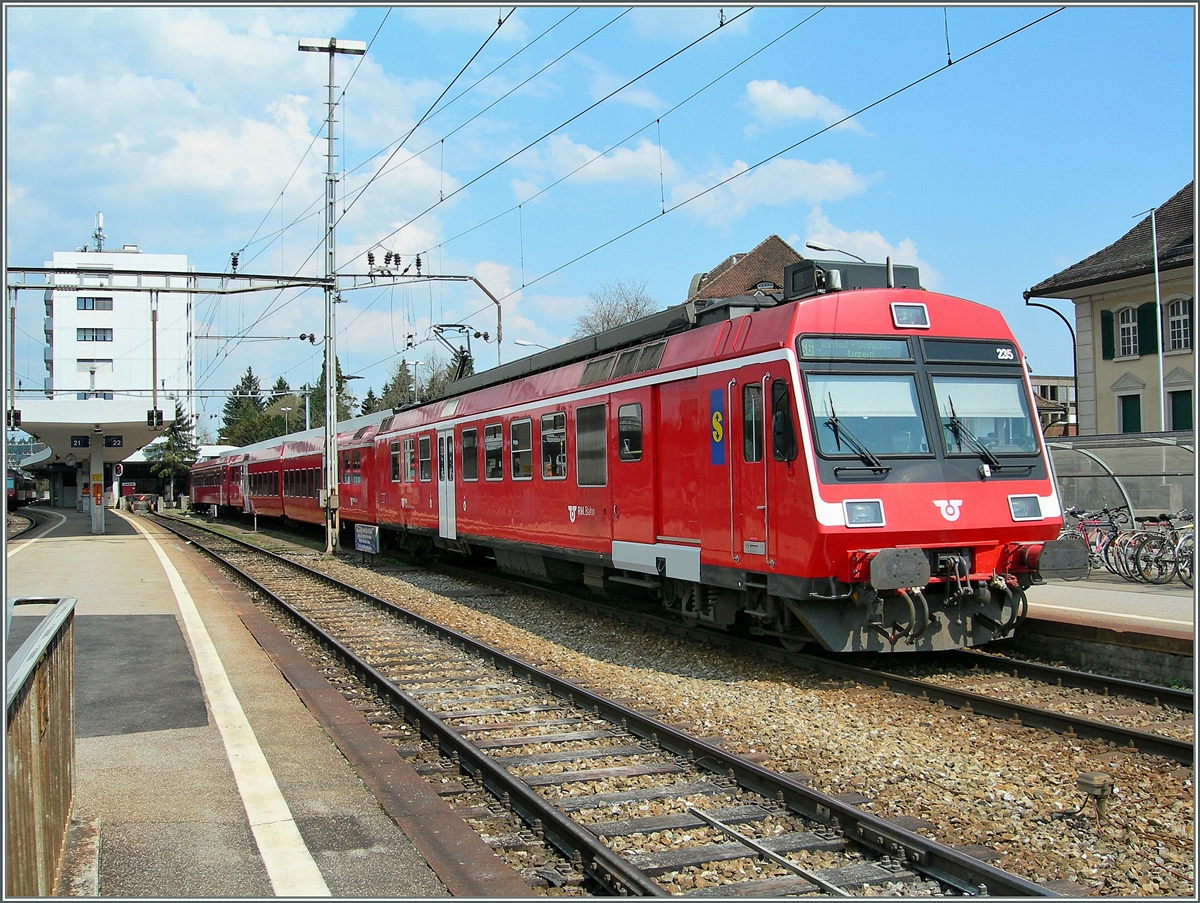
pixel 1108 344
pixel 1147 328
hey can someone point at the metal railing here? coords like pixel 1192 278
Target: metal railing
pixel 41 749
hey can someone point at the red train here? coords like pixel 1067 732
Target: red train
pixel 846 463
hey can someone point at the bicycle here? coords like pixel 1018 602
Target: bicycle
pixel 1157 557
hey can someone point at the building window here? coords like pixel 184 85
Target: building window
pixel 1179 325
pixel 1129 411
pixel 84 396
pixel 93 335
pixel 1127 323
pixel 100 365
pixel 85 303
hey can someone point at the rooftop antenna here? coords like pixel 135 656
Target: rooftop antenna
pixel 98 236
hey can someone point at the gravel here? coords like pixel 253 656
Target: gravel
pixel 977 781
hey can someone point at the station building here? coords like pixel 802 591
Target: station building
pixel 118 324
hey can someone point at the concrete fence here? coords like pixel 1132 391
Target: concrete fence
pixel 41 750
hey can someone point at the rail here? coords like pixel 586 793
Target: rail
pixel 40 748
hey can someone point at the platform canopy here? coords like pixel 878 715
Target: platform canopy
pixel 73 428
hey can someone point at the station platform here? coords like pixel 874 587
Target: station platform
pixel 1108 602
pixel 199 770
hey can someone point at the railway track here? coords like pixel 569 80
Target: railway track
pixel 596 795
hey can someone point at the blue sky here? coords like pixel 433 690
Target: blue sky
pixel 184 125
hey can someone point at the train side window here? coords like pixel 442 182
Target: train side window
pixel 410 461
pixel 441 459
pixel 752 423
pixel 470 455
pixel 305 482
pixel 424 459
pixel 554 446
pixel 629 432
pixel 394 447
pixel 591 462
pixel 493 452
pixel 356 466
pixel 783 430
pixel 521 441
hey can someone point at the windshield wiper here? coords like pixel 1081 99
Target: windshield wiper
pixel 959 430
pixel 840 432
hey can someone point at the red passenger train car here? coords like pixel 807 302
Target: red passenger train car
pixel 846 464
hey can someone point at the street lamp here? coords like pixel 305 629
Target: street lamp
pixel 817 246
pixel 530 344
pixel 285 413
pixel 1162 399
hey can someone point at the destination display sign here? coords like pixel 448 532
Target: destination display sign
pixel 848 348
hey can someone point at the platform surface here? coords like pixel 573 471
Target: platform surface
pixel 153 760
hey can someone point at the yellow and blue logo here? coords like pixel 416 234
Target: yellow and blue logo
pixel 716 407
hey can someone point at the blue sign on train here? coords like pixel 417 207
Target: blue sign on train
pixel 716 420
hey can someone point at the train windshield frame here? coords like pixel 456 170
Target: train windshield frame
pixel 879 412
pixel 991 410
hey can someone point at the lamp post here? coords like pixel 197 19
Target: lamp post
pixel 331 46
pixel 1162 397
pixel 1074 356
pixel 285 425
pixel 530 344
pixel 817 246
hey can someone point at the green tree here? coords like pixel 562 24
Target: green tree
pixel 280 389
pixel 243 409
pixel 370 403
pixel 614 304
pixel 173 455
pixel 398 390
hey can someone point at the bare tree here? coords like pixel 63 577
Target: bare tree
pixel 614 304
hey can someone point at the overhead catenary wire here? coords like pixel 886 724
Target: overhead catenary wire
pixel 636 132
pixel 564 124
pixel 271 307
pixel 777 154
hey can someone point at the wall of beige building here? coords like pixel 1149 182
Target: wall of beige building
pixel 1102 382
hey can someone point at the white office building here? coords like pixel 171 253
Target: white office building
pixel 100 340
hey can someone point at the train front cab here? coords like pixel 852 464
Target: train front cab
pixel 932 499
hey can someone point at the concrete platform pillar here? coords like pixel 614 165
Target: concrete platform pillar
pixel 97 479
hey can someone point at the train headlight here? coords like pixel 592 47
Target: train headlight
pixel 1025 507
pixel 863 512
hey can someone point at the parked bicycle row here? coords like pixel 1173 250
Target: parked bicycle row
pixel 1153 548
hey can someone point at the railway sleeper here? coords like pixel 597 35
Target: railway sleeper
pixel 655 864
pixel 857 875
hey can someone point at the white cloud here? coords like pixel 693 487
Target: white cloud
pixel 622 164
pixel 871 246
pixel 479 20
pixel 774 103
pixel 604 82
pixel 775 184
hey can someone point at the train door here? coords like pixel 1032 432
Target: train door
pixel 447 522
pixel 749 453
pixel 633 490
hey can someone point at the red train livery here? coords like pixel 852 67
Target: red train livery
pixel 854 467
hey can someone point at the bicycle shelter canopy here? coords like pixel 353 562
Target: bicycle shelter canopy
pixel 1150 472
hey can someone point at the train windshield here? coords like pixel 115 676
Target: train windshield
pixel 984 415
pixel 878 414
